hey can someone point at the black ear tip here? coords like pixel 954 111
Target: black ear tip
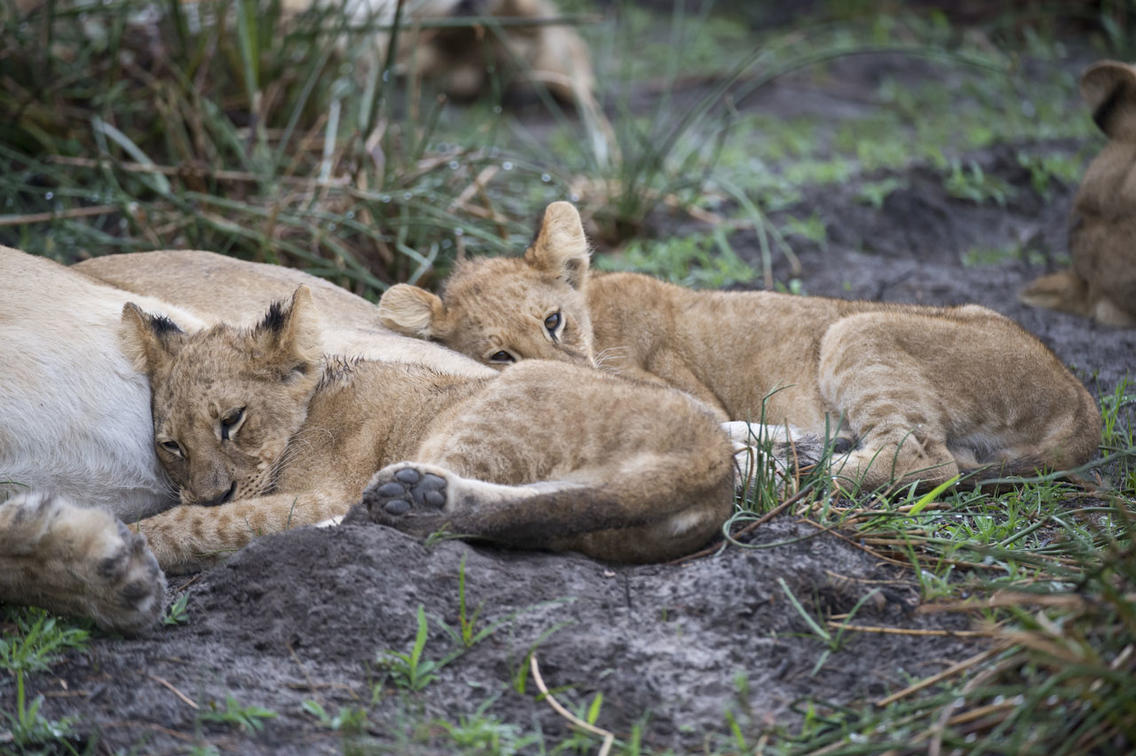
pixel 162 325
pixel 275 317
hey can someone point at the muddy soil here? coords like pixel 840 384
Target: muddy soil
pixel 679 649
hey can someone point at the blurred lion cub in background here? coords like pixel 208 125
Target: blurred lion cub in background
pixel 918 392
pixel 1101 284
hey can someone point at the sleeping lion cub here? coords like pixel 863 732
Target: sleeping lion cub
pixel 918 392
pixel 542 456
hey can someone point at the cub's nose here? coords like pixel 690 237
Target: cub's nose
pixel 219 497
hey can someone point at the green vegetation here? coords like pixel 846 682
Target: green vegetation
pixel 35 642
pixel 409 670
pixel 700 260
pixel 247 718
pixel 177 614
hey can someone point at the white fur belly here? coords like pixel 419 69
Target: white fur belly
pixel 74 414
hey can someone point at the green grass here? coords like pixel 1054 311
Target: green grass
pixel 35 642
pixel 249 718
pixel 701 261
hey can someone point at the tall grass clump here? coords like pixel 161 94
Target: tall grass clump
pixel 132 125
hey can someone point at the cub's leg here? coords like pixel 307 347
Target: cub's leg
pixel 634 511
pixel 78 560
pixel 930 394
pixel 554 456
pixel 189 538
pixel 873 377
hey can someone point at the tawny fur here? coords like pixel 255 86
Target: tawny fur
pixel 542 456
pixel 924 392
pixel 1101 284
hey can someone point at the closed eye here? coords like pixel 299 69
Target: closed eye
pixel 231 422
pixel 502 357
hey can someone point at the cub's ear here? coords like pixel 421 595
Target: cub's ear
pixel 412 311
pixel 1109 87
pixel 561 248
pixel 148 341
pixel 289 334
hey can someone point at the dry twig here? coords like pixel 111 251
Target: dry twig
pixel 575 721
pixel 929 681
pixel 169 686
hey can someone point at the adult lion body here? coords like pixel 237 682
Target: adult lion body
pixel 922 392
pixel 76 435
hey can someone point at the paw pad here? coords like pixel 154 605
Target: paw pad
pixel 408 489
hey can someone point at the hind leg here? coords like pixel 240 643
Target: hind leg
pixel 873 374
pixel 558 457
pixel 78 560
pixel 895 455
pixel 644 508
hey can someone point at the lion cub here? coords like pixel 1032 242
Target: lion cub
pixel 1102 237
pixel 265 434
pixel 920 392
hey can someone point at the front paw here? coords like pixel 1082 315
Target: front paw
pixel 409 497
pixel 799 454
pixel 128 587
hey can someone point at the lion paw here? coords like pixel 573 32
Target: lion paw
pixel 80 560
pixel 801 453
pixel 405 496
pixel 128 583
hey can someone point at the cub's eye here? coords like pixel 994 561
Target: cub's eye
pixel 231 421
pixel 502 356
pixel 552 322
pixel 173 447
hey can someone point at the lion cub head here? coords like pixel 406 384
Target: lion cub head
pixel 502 310
pixel 226 400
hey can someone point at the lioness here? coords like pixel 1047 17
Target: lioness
pixel 76 435
pixel 1102 236
pixel 543 455
pixel 922 392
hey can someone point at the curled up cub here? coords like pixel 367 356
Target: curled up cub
pixel 543 456
pixel 918 393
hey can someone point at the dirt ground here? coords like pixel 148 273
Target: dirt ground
pixel 304 616
pixel 677 648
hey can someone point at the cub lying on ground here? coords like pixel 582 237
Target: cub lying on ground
pixel 1102 235
pixel 924 392
pixel 76 433
pixel 542 456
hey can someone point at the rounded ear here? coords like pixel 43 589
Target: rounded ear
pixel 561 248
pixel 290 332
pixel 1109 87
pixel 148 340
pixel 412 311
